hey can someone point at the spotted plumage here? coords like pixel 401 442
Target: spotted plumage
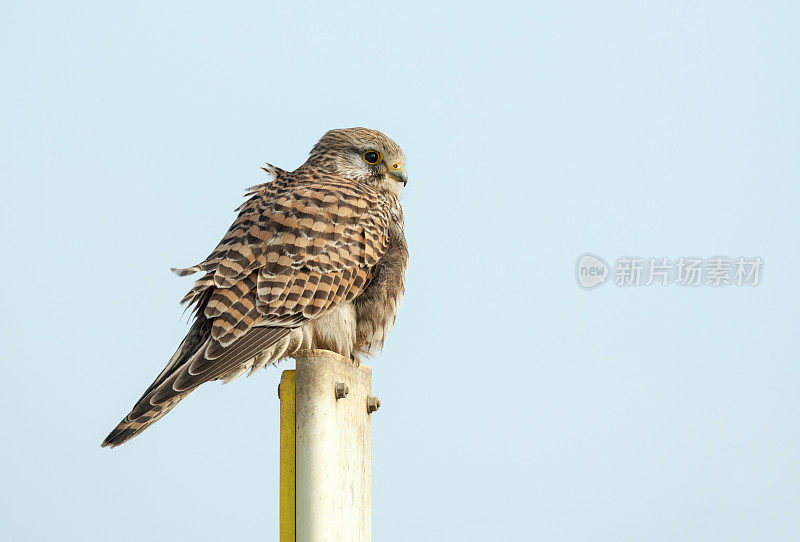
pixel 315 259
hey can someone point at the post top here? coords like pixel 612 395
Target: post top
pixel 328 354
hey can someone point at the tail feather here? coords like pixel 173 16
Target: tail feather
pixel 146 412
pixel 189 367
pixel 127 429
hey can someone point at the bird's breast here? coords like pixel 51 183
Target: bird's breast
pixel 376 307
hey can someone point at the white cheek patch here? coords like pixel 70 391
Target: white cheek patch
pixel 388 184
pixel 353 166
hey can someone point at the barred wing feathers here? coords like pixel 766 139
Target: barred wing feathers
pixel 301 245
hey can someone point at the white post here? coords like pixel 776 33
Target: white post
pixel 333 449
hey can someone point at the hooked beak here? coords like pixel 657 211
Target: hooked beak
pixel 399 173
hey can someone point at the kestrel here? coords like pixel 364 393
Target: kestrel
pixel 315 259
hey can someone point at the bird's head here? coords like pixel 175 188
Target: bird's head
pixel 362 155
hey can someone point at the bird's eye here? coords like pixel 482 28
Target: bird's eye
pixel 372 157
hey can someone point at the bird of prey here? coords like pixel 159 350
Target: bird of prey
pixel 315 259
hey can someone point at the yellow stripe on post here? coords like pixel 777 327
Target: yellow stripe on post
pixel 287 477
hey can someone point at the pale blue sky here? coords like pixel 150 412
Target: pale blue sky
pixel 516 406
